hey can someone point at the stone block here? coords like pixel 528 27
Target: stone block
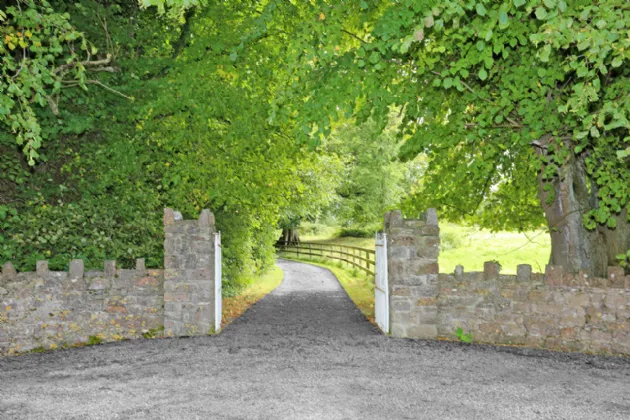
pixel 428 291
pixel 431 217
pixel 76 269
pixel 206 219
pixel 393 219
pixel 116 309
pixel 169 217
pixel 399 252
pixel 523 272
pixel 616 299
pixel 489 329
pixel 99 283
pixel 572 317
pixel 424 332
pixel 554 275
pixel 400 305
pixel 140 266
pixel 203 247
pixel 190 262
pixel 176 297
pixel 426 314
pixel 414 223
pixel 426 301
pixel 572 280
pixel 459 272
pixel 599 282
pixel 42 268
pixel 173 262
pixel 627 282
pixel 616 277
pixel 8 271
pixel 400 291
pixel 146 281
pixel 541 327
pixel 402 239
pixel 430 230
pixel 578 299
pixel 109 267
pixel 490 270
pixel 169 246
pixel 428 248
pixel 403 317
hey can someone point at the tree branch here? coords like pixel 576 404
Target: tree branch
pixel 87 63
pixel 354 36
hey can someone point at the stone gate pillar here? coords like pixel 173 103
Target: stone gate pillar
pixel 188 274
pixel 412 265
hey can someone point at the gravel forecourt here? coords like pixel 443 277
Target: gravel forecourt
pixel 306 352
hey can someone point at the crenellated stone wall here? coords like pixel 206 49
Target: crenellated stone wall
pixel 554 310
pixel 189 274
pixel 536 310
pixel 48 309
pixel 412 269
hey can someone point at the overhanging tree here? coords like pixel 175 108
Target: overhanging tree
pixel 509 99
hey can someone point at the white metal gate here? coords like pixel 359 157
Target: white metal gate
pixel 217 282
pixel 381 288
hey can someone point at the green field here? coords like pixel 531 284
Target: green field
pixel 470 247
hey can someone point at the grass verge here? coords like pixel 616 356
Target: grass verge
pixel 235 306
pixel 358 285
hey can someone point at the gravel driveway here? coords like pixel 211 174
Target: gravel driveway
pixel 306 352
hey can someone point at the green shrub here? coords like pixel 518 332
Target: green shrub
pixel 359 232
pixel 450 240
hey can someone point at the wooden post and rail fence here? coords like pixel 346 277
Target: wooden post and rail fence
pixel 361 258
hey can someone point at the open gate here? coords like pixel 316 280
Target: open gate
pixel 217 282
pixel 381 286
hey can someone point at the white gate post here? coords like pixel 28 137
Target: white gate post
pixel 381 287
pixel 218 278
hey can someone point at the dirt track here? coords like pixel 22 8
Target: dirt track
pixel 305 352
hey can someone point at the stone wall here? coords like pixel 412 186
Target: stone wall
pixel 550 311
pixel 189 274
pixel 553 310
pixel 412 269
pixel 48 309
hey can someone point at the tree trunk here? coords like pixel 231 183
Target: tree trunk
pixel 290 236
pixel 618 239
pixel 572 245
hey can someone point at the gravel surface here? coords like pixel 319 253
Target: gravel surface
pixel 306 352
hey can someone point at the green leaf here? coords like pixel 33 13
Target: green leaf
pixel 481 10
pixel 483 74
pixel 519 3
pixel 504 21
pixel 545 53
pixel 541 13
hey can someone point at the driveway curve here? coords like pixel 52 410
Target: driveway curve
pixel 306 352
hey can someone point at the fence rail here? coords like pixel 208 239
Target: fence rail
pixel 361 258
